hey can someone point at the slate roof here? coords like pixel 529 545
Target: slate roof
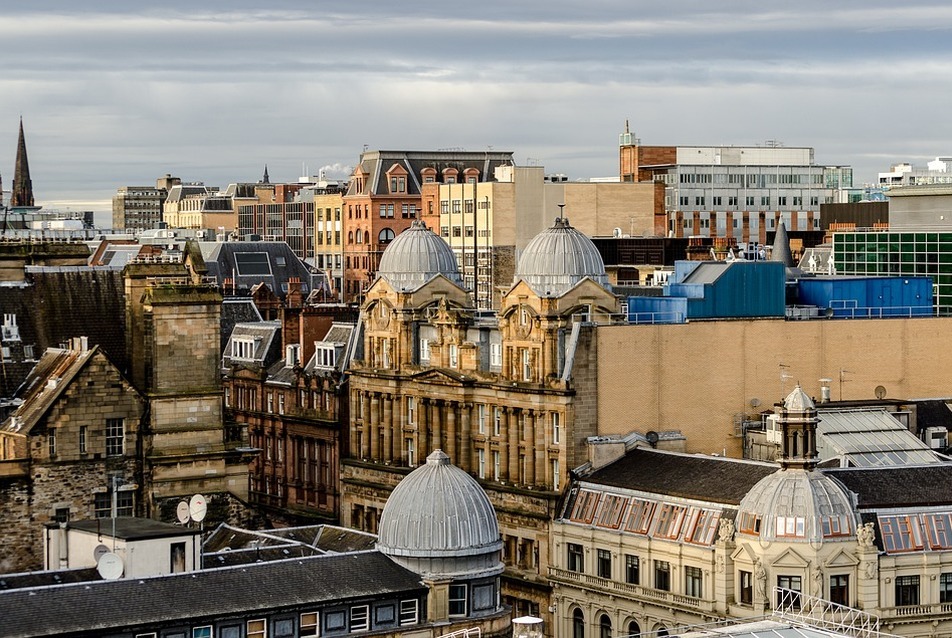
pixel 704 478
pixel 47 578
pixel 933 413
pixel 131 528
pixel 376 163
pixel 233 312
pixel 267 336
pixel 904 486
pixel 287 584
pixel 282 264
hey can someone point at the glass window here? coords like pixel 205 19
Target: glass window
pixel 578 624
pixel 604 563
pixel 458 600
pixel 945 587
pixel 51 441
pixel 604 626
pixel 360 618
pixel 115 435
pixel 840 589
pixel 907 590
pixel 789 599
pixel 662 573
pixel 746 588
pixel 576 558
pixel 202 632
pixel 556 428
pixel 693 585
pixel 631 569
pixel 257 628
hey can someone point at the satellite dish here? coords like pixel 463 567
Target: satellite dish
pixel 100 551
pixel 182 512
pixel 828 313
pixel 880 392
pixel 755 402
pixel 110 566
pixel 652 437
pixel 197 508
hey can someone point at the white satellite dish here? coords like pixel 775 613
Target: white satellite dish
pixel 197 508
pixel 182 512
pixel 110 566
pixel 100 551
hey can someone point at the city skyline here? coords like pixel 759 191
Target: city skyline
pixel 120 95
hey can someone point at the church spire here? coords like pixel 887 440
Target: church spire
pixel 265 179
pixel 22 191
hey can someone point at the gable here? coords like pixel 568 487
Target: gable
pixel 791 558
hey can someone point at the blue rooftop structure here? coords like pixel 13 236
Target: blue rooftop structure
pixel 859 297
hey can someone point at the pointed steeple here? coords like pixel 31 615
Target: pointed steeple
pixel 781 247
pixel 265 179
pixel 22 192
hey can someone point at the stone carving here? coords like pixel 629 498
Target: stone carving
pixel 865 535
pixel 726 530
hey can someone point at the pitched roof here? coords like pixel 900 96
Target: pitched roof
pixel 705 478
pixel 376 163
pixel 105 606
pixel 903 486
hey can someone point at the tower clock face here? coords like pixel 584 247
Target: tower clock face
pixel 523 321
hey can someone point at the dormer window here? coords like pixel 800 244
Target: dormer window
pixel 450 175
pixel 325 356
pixel 243 348
pixel 10 331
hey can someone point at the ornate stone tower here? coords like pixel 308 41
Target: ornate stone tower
pixel 22 193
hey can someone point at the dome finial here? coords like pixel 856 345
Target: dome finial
pixel 438 457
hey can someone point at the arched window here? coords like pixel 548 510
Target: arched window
pixel 633 629
pixel 662 631
pixel 350 237
pixel 578 624
pixel 605 626
pixel 360 236
pixel 385 236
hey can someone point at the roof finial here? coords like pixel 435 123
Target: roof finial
pixel 561 216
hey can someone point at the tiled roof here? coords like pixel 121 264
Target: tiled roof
pixel 908 486
pixel 105 606
pixel 705 478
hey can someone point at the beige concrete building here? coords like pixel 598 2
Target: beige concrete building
pixel 489 223
pixel 656 541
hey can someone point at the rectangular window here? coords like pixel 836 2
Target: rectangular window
pixel 662 575
pixel 409 612
pixel 51 440
pixel 746 588
pixel 424 351
pixel 360 618
pixel 411 410
pixel 750 200
pixel 716 200
pixel 669 521
pixel 631 569
pixel 481 463
pixel 556 428
pixel 604 563
pixel 782 200
pixel 202 632
pixel 945 587
pixel 454 355
pixel 481 418
pixel 257 628
pixel 103 504
pixel 495 355
pixel 732 200
pixel 840 589
pixel 576 558
pixel 693 585
pixel 411 453
pixel 789 599
pixel 115 437
pixel 765 201
pixel 496 466
pixel 497 421
pixel 907 590
pixel 526 365
pixel 281 405
pixel 309 624
pixel 458 606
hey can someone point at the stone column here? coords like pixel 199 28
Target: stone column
pixel 388 426
pixel 505 439
pixel 465 437
pixel 531 447
pixel 515 425
pixel 436 427
pixel 354 450
pixel 451 432
pixel 365 446
pixel 423 440
pixel 374 431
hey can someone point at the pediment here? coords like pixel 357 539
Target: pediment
pixel 442 376
pixel 790 558
pixel 842 558
pixel 744 553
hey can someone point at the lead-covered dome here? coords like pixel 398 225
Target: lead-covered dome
pixel 438 521
pixel 416 256
pixel 798 506
pixel 558 258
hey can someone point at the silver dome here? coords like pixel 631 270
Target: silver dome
pixel 799 506
pixel 798 401
pixel 558 258
pixel 416 256
pixel 438 521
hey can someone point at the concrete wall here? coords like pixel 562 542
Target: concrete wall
pixel 695 377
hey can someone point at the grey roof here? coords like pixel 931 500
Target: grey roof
pixel 130 528
pixel 416 256
pixel 781 247
pixel 707 272
pixel 105 606
pixel 798 400
pixel 808 498
pixel 904 486
pixel 236 310
pixel 267 339
pixel 376 163
pixel 871 437
pixel 557 259
pixel 248 263
pixel 438 511
pixel 692 476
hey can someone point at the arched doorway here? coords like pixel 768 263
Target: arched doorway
pixel 578 624
pixel 604 626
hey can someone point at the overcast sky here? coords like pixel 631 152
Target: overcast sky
pixel 112 94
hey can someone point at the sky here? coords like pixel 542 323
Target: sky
pixel 119 93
